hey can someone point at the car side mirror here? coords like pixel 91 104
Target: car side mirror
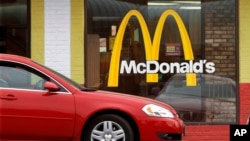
pixel 51 86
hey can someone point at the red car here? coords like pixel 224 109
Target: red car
pixel 37 103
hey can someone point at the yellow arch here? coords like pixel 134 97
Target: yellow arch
pixel 151 49
pixel 188 52
pixel 116 52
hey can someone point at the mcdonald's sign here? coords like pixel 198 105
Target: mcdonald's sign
pixel 151 48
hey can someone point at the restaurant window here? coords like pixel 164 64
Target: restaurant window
pixel 14 27
pixel 210 25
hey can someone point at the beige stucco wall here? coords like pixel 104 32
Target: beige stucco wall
pixel 244 41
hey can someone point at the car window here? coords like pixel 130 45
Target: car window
pixel 23 77
pixel 72 82
pixel 17 77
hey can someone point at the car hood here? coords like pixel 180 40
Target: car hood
pixel 114 97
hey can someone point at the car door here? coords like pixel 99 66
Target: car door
pixel 29 112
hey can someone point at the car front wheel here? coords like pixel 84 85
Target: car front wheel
pixel 109 127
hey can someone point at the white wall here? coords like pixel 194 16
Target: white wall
pixel 57 35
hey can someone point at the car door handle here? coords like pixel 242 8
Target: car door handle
pixel 8 97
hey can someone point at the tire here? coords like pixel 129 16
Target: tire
pixel 109 127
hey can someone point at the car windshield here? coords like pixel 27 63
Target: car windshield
pixel 72 82
pixel 177 86
pixel 182 90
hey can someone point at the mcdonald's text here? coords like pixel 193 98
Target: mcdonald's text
pixel 155 67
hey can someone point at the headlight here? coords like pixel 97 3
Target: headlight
pixel 157 111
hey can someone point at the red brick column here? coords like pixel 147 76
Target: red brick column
pixel 244 102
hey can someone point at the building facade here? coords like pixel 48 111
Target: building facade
pixel 77 37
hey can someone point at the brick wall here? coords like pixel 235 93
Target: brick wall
pixel 57 35
pixel 219 22
pixel 220 110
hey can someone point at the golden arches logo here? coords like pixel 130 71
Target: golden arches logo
pixel 151 48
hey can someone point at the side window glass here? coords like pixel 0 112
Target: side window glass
pixel 17 77
pixel 4 76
